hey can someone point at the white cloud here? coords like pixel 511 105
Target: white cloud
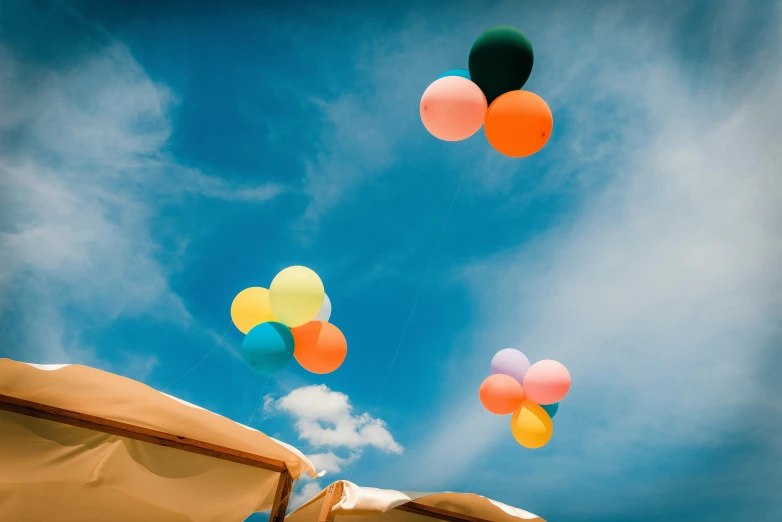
pixel 325 418
pixel 661 293
pixel 308 490
pixel 82 174
pixel 330 462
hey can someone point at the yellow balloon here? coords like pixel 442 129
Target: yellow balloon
pixel 531 425
pixel 250 308
pixel 296 295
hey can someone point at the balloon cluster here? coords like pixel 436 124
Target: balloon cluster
pixel 288 320
pixel 530 393
pixel 517 123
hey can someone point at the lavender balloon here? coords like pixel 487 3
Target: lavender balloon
pixel 510 362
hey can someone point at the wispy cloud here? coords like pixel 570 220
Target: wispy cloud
pixel 662 290
pixel 83 172
pixel 365 127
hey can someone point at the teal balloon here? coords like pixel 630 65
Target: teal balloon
pixel 456 72
pixel 268 347
pixel 551 409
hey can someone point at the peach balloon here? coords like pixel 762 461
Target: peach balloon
pixel 518 123
pixel 546 382
pixel 453 108
pixel 501 394
pixel 319 347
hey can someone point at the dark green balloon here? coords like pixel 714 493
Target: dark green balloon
pixel 500 61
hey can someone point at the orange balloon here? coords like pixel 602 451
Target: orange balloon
pixel 501 394
pixel 319 347
pixel 452 108
pixel 518 123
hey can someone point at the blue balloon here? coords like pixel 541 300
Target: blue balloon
pixel 268 347
pixel 551 409
pixel 456 72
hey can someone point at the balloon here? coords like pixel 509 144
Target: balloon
pixel 531 426
pixel 510 362
pixel 455 72
pixel 296 295
pixel 546 382
pixel 325 310
pixel 518 123
pixel 500 61
pixel 452 108
pixel 551 409
pixel 501 394
pixel 319 347
pixel 268 347
pixel 251 308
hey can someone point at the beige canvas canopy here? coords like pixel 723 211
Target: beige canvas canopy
pixel 80 444
pixel 345 501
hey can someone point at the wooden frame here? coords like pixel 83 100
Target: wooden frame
pixel 130 431
pixel 334 494
pixel 281 497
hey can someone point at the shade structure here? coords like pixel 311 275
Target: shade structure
pixel 345 501
pixel 81 444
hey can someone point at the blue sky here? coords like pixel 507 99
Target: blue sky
pixel 156 160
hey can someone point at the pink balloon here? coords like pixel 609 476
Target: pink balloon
pixel 452 108
pixel 546 382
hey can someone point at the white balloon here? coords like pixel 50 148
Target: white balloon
pixel 325 311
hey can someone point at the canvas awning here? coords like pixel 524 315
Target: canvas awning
pixel 346 501
pixel 80 444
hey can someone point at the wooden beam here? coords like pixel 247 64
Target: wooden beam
pixel 437 513
pixel 130 431
pixel 281 497
pixel 332 497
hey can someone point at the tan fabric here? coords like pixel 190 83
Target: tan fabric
pixel 53 471
pixel 376 505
